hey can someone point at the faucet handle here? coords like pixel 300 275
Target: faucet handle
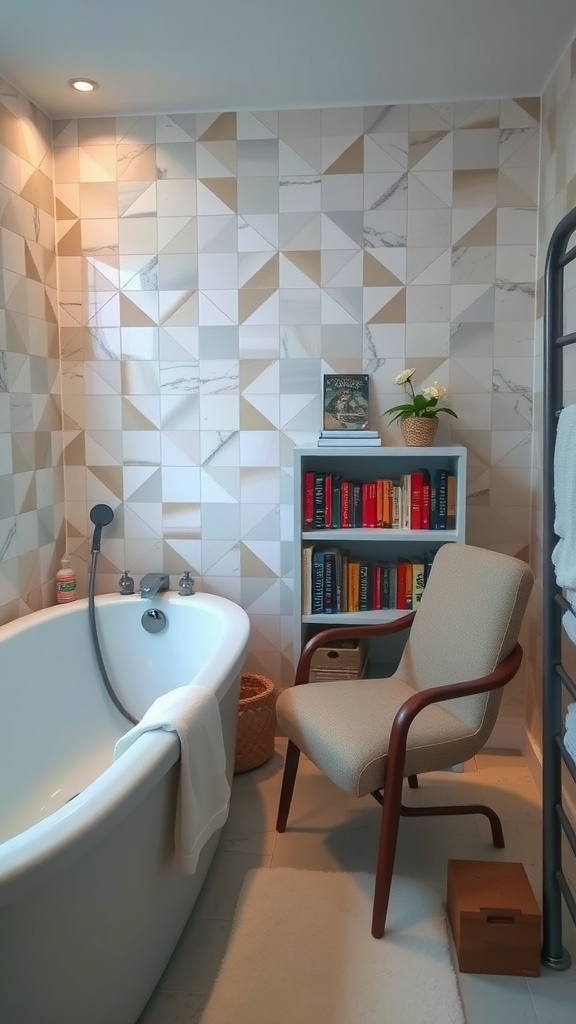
pixel 126 584
pixel 186 585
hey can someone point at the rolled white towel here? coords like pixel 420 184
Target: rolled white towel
pixel 564 553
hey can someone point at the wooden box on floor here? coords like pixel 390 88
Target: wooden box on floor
pixel 494 918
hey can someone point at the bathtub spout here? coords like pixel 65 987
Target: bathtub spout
pixel 152 583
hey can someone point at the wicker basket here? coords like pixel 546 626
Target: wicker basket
pixel 256 722
pixel 419 430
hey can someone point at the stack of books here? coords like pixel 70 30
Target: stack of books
pixel 349 439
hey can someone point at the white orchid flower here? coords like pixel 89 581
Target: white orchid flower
pixel 436 390
pixel 405 376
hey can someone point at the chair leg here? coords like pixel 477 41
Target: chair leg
pixel 288 780
pixel 413 781
pixel 495 823
pixel 390 820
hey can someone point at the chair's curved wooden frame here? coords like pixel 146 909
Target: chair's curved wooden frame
pixel 390 796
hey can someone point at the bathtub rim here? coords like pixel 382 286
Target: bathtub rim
pixel 43 847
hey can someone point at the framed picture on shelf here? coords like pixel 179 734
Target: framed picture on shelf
pixel 345 401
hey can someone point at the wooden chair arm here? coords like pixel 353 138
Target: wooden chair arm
pixel 405 715
pixel 328 636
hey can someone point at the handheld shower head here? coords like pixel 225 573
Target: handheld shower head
pixel 100 515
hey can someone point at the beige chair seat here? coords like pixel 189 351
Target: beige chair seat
pixel 333 724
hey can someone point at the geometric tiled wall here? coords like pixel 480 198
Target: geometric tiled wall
pixel 31 477
pixel 557 197
pixel 212 267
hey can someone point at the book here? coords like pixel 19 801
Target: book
pixel 442 498
pixel 318 521
pixel 417 583
pixel 347 442
pixel 336 501
pixel 328 500
pixel 416 485
pixel 345 504
pixel 317 582
pixel 349 433
pixel 345 401
pixel 308 510
pixel 364 585
pixel 425 499
pixel 307 552
pixel 329 597
pixel 451 502
pixel 356 505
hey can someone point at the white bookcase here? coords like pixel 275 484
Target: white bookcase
pixel 368 464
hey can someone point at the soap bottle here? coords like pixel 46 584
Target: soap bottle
pixel 65 583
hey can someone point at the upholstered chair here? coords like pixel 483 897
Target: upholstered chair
pixel 437 709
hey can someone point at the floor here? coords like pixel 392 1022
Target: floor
pixel 330 831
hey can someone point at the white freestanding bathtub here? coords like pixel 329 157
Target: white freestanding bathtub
pixel 91 899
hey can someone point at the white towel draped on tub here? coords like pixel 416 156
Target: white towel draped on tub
pixel 203 793
pixel 564 554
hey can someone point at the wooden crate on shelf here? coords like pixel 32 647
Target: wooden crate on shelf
pixel 346 659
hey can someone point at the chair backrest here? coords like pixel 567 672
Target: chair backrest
pixel 467 622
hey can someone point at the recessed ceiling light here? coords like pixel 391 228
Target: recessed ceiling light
pixel 82 84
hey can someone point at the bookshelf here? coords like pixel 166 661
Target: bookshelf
pixel 372 544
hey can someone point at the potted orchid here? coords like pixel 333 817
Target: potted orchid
pixel 419 415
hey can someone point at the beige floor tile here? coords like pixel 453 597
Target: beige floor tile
pixel 195 962
pixel 319 851
pixel 219 894
pixel 499 759
pixel 245 841
pixel 173 1008
pixel 554 997
pixel 317 803
pixel 496 1000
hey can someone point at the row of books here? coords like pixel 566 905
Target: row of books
pixel 334 581
pixel 415 501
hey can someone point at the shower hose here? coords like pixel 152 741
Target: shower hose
pixel 96 643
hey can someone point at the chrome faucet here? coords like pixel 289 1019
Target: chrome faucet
pixel 152 583
pixel 186 585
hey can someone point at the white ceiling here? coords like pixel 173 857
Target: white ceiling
pixel 154 56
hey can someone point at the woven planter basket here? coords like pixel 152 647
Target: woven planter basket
pixel 256 722
pixel 419 431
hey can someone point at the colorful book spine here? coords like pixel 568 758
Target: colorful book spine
pixel 425 499
pixel 336 501
pixel 442 486
pixel 317 582
pixel 329 582
pixel 319 503
pixel 346 503
pixel 416 484
pixel 417 583
pixel 396 505
pixel 401 585
pixel 308 510
pixel 451 502
pixel 356 504
pixel 327 500
pixel 307 551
